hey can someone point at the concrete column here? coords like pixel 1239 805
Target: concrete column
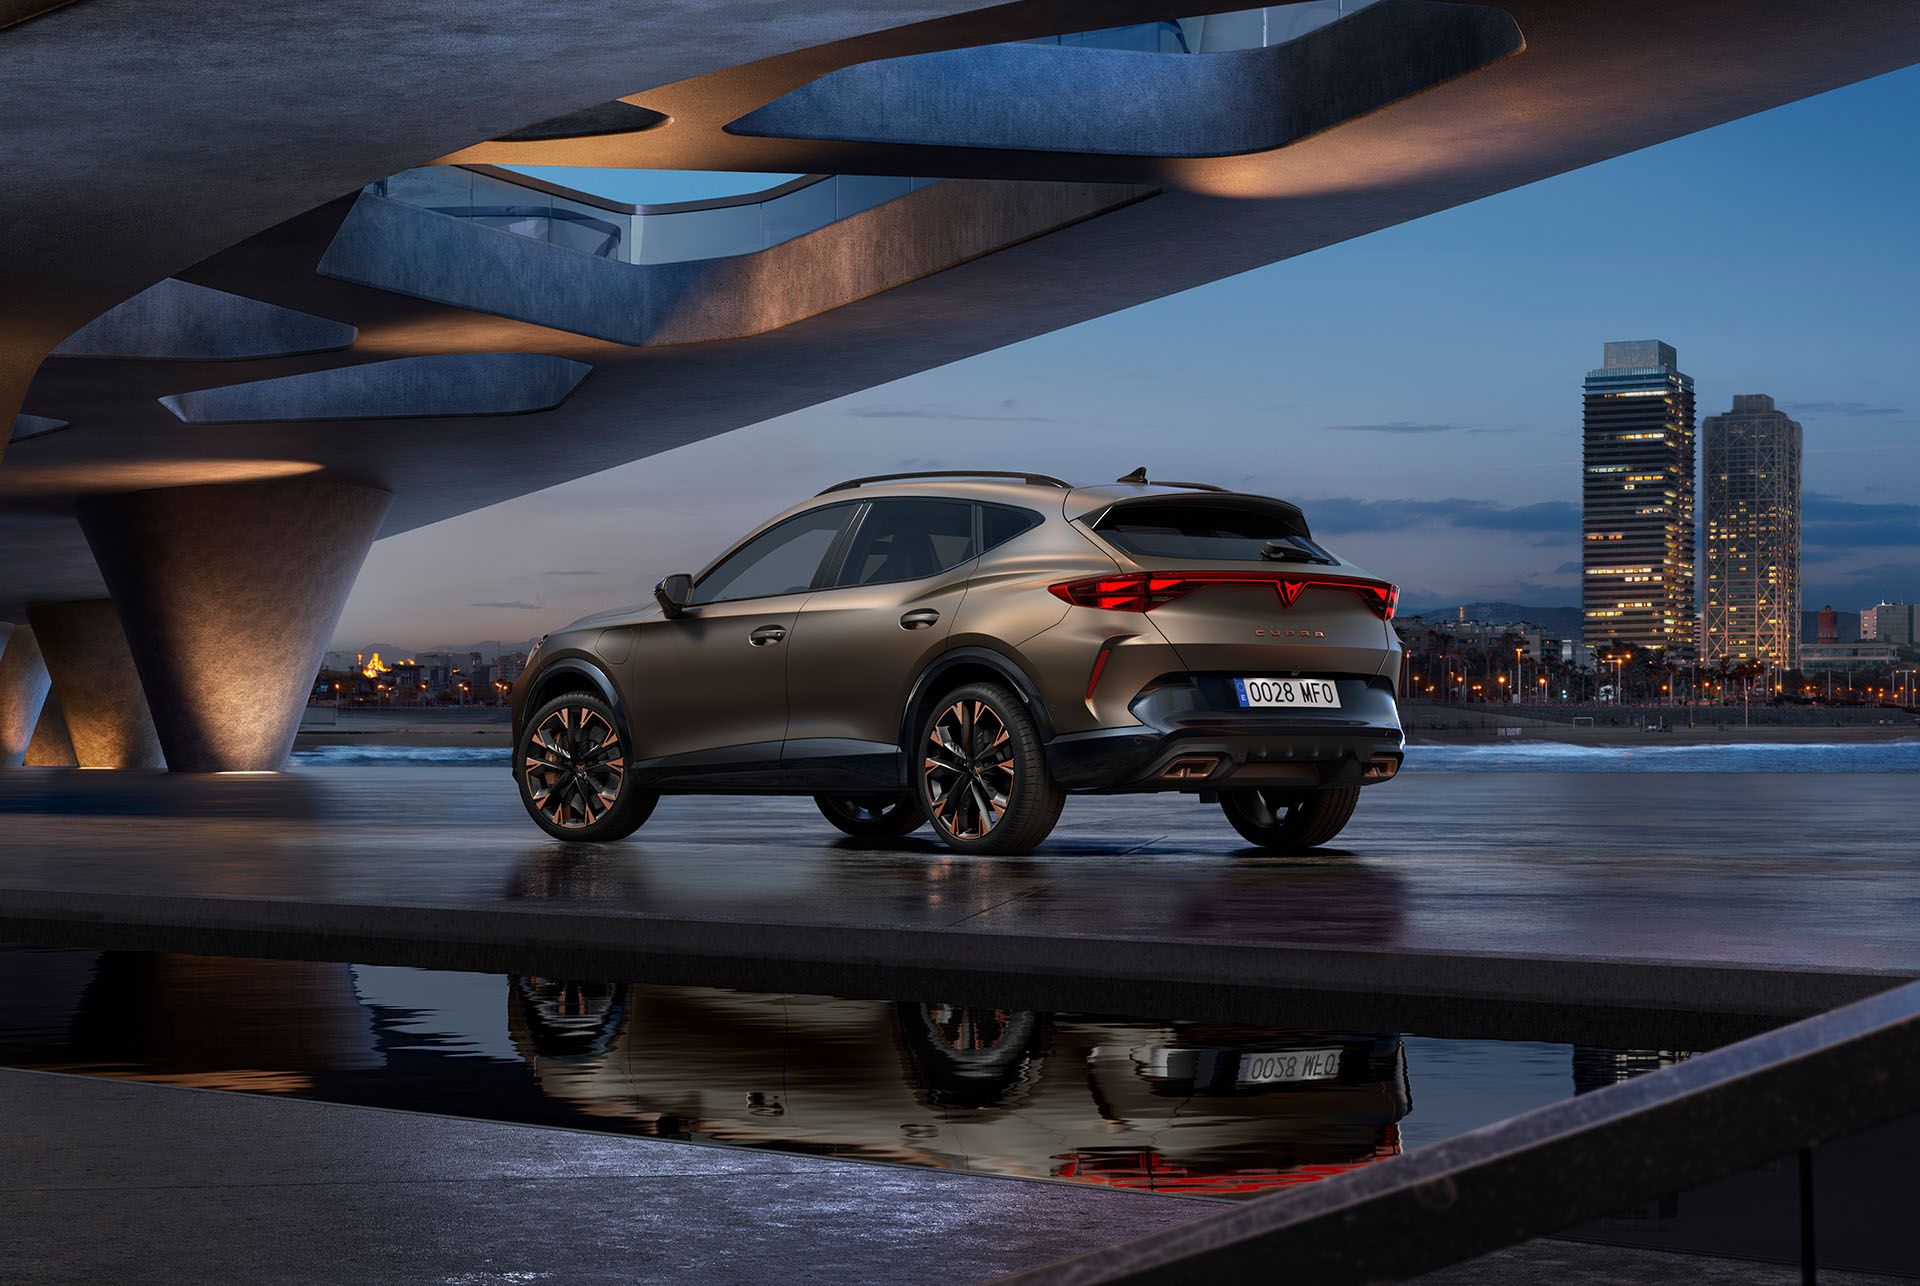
pixel 98 687
pixel 229 595
pixel 23 691
pixel 52 746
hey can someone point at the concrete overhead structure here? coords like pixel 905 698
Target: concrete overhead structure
pixel 229 596
pixel 1054 183
pixel 104 710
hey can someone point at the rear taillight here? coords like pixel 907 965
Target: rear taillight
pixel 1122 593
pixel 1146 591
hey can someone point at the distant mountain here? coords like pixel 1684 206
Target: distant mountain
pixel 1563 621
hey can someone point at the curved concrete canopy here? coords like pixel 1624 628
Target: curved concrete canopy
pixel 403 388
pixel 179 321
pixel 308 114
pixel 1114 102
pixel 428 255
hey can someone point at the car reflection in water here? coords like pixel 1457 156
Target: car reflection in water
pixel 1167 1107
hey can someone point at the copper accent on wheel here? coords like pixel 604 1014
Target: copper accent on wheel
pixel 968 763
pixel 574 767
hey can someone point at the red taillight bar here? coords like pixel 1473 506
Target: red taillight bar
pixel 1145 591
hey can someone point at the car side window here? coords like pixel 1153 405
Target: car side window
pixel 1001 523
pixel 783 559
pixel 908 540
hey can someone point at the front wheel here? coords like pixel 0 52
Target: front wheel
pixel 872 817
pixel 571 764
pixel 1283 822
pixel 981 772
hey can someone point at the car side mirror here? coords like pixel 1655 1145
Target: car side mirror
pixel 674 593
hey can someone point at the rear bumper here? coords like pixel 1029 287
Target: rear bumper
pixel 1190 738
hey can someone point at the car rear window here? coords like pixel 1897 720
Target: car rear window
pixel 1207 531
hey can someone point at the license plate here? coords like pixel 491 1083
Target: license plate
pixel 1288 692
pixel 1291 1065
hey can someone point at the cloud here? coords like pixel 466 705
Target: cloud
pixel 1349 514
pixel 1398 426
pixel 1844 410
pixel 1828 522
pixel 515 605
pixel 578 572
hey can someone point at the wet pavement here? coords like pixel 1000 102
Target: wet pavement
pixel 1762 893
pixel 705 1080
pixel 133 1183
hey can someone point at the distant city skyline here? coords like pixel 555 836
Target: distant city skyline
pixel 1750 534
pixel 1410 388
pixel 1638 535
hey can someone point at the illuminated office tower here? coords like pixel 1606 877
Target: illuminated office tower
pixel 1637 528
pixel 1751 564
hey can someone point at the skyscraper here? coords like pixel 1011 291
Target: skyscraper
pixel 1637 547
pixel 1752 549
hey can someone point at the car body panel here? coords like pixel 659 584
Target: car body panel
pixel 846 708
pixel 829 707
pixel 699 683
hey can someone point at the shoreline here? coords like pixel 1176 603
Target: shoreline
pixel 488 728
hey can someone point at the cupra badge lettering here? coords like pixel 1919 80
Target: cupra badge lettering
pixel 1289 592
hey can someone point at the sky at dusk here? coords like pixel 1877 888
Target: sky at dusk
pixel 1418 390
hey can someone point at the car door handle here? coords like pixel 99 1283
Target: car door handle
pixel 919 619
pixel 767 634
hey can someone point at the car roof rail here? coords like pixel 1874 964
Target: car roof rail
pixel 1031 479
pixel 1139 478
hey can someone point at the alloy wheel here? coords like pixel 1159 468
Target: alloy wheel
pixel 574 767
pixel 969 768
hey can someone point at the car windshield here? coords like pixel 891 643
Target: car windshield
pixel 1207 530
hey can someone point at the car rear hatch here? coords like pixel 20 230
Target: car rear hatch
pixel 1237 585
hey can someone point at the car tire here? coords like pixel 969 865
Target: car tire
pixel 1288 822
pixel 872 816
pixel 976 804
pixel 571 764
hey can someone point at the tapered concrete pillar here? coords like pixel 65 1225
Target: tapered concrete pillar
pixel 97 686
pixel 23 691
pixel 229 596
pixel 52 746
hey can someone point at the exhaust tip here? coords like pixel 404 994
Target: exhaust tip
pixel 1380 768
pixel 1190 768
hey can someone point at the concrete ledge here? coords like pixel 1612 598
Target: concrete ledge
pixel 179 321
pixel 1580 1000
pixel 35 426
pixel 1112 102
pixel 404 388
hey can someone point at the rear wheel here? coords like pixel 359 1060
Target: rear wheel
pixel 981 773
pixel 1282 822
pixel 572 767
pixel 872 816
